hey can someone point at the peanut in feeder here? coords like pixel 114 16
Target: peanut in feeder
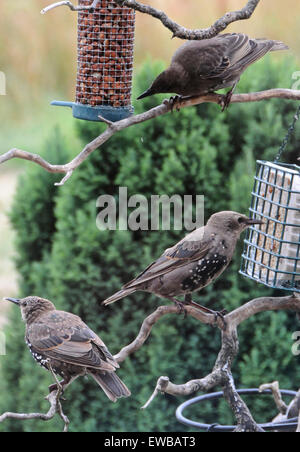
pixel 105 62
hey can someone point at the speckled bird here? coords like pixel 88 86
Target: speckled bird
pixel 63 342
pixel 201 67
pixel 193 263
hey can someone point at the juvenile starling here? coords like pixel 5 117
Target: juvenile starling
pixel 193 263
pixel 201 67
pixel 61 341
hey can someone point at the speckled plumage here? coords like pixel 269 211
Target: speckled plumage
pixel 193 263
pixel 199 67
pixel 63 341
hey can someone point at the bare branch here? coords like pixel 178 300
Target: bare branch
pixel 71 6
pixel 274 387
pixel 184 33
pixel 153 318
pixel 177 30
pixel 55 406
pixel 221 373
pixel 155 112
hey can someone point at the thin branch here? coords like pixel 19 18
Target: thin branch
pixel 155 112
pixel 153 318
pixel 55 407
pixel 274 387
pixel 71 6
pixel 184 33
pixel 177 30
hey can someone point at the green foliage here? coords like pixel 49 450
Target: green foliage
pixel 63 256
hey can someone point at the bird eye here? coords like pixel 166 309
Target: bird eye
pixel 25 303
pixel 241 220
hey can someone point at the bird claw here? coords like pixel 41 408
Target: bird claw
pixel 181 308
pixel 174 102
pixel 220 315
pixel 55 387
pixel 226 100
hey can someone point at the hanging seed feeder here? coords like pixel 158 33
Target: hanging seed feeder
pixel 272 252
pixel 105 62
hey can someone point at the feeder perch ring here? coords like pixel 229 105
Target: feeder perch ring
pixel 269 426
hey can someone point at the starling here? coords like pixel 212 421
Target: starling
pixel 201 67
pixel 193 263
pixel 61 341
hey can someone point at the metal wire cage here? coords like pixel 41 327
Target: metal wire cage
pixel 272 251
pixel 105 62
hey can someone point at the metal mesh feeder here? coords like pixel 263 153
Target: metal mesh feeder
pixel 272 251
pixel 105 62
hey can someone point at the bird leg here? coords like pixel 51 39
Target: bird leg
pixel 226 98
pixel 217 314
pixel 180 306
pixel 61 384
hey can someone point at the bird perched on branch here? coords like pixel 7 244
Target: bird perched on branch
pixel 201 67
pixel 61 341
pixel 193 263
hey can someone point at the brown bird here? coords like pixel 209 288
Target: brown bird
pixel 193 263
pixel 61 341
pixel 201 67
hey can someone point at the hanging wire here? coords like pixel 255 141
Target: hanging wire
pixel 288 135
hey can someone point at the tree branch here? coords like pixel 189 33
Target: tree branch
pixel 71 6
pixel 55 408
pixel 274 387
pixel 221 373
pixel 155 112
pixel 177 30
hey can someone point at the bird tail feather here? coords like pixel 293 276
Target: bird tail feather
pixel 117 296
pixel 278 45
pixel 275 45
pixel 111 384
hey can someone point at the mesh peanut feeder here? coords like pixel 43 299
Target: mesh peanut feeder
pixel 105 62
pixel 272 251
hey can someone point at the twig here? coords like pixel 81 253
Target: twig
pixel 177 30
pixel 274 387
pixel 55 407
pixel 155 112
pixel 71 6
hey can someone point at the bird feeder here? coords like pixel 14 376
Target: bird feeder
pixel 105 62
pixel 272 251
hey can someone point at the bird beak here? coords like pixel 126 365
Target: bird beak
pixel 145 94
pixel 251 221
pixel 13 300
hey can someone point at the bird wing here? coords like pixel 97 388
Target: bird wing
pixel 213 57
pixel 65 337
pixel 185 252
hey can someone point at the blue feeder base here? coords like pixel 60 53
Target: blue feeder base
pixel 88 113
